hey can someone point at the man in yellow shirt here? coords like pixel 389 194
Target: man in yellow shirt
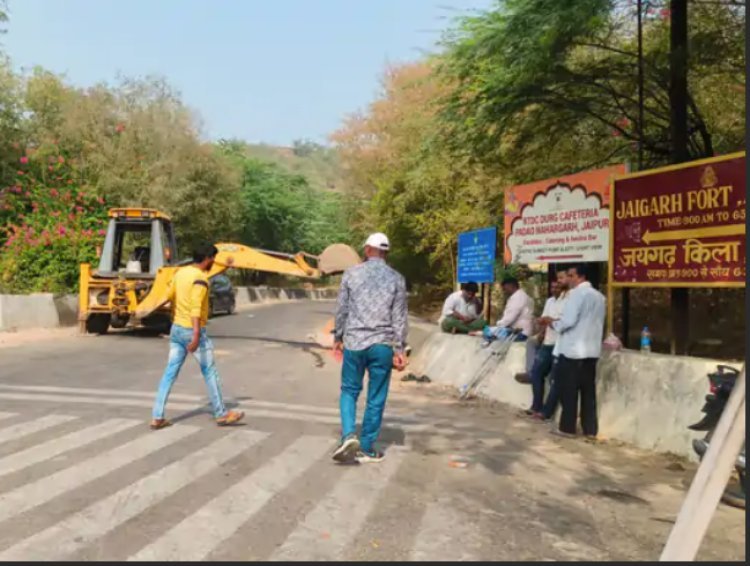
pixel 189 297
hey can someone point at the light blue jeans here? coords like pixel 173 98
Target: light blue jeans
pixel 378 362
pixel 179 338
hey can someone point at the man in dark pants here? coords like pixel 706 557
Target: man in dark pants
pixel 579 345
pixel 543 359
pixel 371 328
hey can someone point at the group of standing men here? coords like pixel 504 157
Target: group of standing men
pixel 565 350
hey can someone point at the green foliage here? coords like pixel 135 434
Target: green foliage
pixel 280 211
pixel 136 144
pixel 50 226
pixel 539 77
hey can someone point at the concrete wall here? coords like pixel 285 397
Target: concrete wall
pixel 28 311
pixel 44 310
pixel 645 400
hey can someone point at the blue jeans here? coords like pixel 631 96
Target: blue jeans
pixel 539 371
pixel 378 361
pixel 491 333
pixel 179 338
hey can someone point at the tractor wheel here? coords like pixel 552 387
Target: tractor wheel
pixel 98 323
pixel 159 322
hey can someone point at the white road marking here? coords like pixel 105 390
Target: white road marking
pixel 82 528
pixel 56 446
pixel 20 430
pixel 47 488
pixel 408 424
pixel 335 521
pixel 196 536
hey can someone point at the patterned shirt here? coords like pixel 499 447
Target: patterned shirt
pixel 372 307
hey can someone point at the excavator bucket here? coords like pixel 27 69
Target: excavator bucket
pixel 337 258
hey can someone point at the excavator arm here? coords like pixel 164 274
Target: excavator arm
pixel 334 259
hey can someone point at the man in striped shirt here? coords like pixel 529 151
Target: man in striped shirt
pixel 189 298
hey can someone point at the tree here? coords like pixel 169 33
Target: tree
pixel 280 211
pixel 404 180
pixel 536 72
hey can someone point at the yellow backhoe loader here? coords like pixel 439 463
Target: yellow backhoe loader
pixel 139 259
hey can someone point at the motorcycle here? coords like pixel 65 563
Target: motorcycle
pixel 721 383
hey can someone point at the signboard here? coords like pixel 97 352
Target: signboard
pixel 681 226
pixel 562 219
pixel 476 255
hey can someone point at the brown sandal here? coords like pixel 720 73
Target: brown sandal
pixel 232 417
pixel 157 424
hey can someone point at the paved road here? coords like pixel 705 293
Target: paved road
pixel 82 477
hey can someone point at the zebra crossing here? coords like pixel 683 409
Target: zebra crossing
pixel 62 454
pixel 254 408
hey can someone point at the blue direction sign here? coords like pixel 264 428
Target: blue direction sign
pixel 476 256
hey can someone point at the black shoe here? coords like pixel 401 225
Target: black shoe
pixel 369 457
pixel 522 378
pixel 347 450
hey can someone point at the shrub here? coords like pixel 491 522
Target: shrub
pixel 48 226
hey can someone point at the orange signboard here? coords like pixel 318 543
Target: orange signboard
pixel 563 219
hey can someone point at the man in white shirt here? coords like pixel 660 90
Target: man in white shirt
pixel 579 345
pixel 543 359
pixel 516 316
pixel 462 311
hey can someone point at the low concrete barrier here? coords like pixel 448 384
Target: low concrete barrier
pixel 251 295
pixel 44 310
pixel 19 312
pixel 645 400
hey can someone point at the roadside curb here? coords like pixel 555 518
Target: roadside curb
pixel 45 310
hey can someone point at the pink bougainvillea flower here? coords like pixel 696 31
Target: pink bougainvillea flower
pixel 119 128
pixel 54 192
pixel 55 213
pixel 20 172
pixel 79 208
pixel 100 200
pixel 50 168
pixel 61 159
pixel 102 233
pixel 61 230
pixel 71 216
pixel 24 160
pixel 28 194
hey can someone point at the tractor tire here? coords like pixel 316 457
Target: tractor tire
pixel 118 322
pixel 98 323
pixel 161 323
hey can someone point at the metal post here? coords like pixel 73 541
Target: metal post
pixel 640 84
pixel 678 44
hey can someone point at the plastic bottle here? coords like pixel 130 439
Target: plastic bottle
pixel 645 340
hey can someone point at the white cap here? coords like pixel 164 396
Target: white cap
pixel 378 241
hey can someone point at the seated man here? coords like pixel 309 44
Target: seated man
pixel 517 316
pixel 462 311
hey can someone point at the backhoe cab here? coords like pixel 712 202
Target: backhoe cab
pixel 139 259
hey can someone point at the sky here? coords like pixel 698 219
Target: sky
pixel 262 70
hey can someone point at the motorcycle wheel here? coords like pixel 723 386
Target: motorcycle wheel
pixel 734 495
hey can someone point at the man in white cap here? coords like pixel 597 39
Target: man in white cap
pixel 371 328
